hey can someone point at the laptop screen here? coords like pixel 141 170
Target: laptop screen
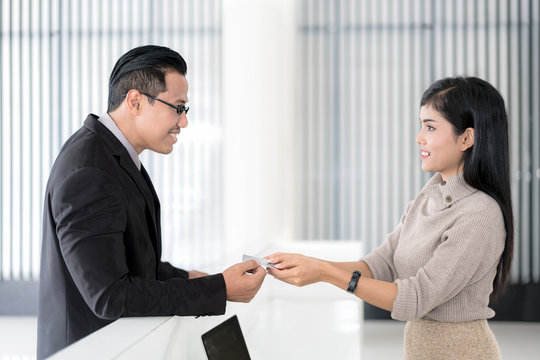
pixel 225 341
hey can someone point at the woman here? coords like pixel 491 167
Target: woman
pixel 453 246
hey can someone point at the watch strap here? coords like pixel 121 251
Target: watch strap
pixel 354 281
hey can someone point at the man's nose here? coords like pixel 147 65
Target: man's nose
pixel 183 120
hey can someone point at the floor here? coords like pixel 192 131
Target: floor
pixel 382 339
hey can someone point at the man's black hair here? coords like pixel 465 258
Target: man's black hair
pixel 143 68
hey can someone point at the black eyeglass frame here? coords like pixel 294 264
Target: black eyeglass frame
pixel 179 108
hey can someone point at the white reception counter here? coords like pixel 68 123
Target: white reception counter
pixel 282 322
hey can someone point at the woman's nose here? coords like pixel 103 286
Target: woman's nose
pixel 420 138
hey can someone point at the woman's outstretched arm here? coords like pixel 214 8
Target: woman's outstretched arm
pixel 300 270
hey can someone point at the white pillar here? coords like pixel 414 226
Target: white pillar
pixel 259 114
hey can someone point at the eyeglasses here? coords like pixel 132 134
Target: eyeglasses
pixel 179 108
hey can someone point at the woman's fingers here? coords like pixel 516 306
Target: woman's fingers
pixel 284 260
pixel 274 258
pixel 287 275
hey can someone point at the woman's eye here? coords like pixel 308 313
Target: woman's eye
pixel 430 128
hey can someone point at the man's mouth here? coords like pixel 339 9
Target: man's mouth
pixel 174 134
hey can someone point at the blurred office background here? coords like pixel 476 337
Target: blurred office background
pixel 303 122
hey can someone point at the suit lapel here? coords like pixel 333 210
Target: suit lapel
pixel 157 208
pixel 141 178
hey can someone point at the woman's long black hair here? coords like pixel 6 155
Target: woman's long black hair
pixel 470 102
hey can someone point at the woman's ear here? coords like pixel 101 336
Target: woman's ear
pixel 467 139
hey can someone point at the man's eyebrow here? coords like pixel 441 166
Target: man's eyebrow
pixel 180 101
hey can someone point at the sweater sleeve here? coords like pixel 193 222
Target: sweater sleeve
pixel 381 260
pixel 468 251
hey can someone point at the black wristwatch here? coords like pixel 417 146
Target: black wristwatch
pixel 354 281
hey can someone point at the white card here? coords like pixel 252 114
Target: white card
pixel 263 262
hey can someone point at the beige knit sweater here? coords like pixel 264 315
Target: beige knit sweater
pixel 443 255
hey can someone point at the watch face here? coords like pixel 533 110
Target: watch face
pixel 354 281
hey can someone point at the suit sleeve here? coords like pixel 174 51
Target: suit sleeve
pixel 167 271
pixel 90 218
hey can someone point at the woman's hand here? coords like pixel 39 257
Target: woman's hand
pixel 296 269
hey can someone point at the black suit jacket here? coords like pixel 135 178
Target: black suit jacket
pixel 101 246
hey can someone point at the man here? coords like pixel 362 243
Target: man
pixel 101 246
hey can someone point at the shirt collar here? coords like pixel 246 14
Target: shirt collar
pixel 444 193
pixel 109 123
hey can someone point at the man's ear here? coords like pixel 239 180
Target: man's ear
pixel 467 139
pixel 134 101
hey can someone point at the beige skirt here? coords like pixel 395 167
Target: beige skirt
pixel 434 340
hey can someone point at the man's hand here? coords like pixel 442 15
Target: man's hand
pixel 243 280
pixel 196 274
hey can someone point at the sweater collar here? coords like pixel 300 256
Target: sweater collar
pixel 444 193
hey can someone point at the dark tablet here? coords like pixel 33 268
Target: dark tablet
pixel 226 342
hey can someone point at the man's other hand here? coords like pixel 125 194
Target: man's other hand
pixel 193 274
